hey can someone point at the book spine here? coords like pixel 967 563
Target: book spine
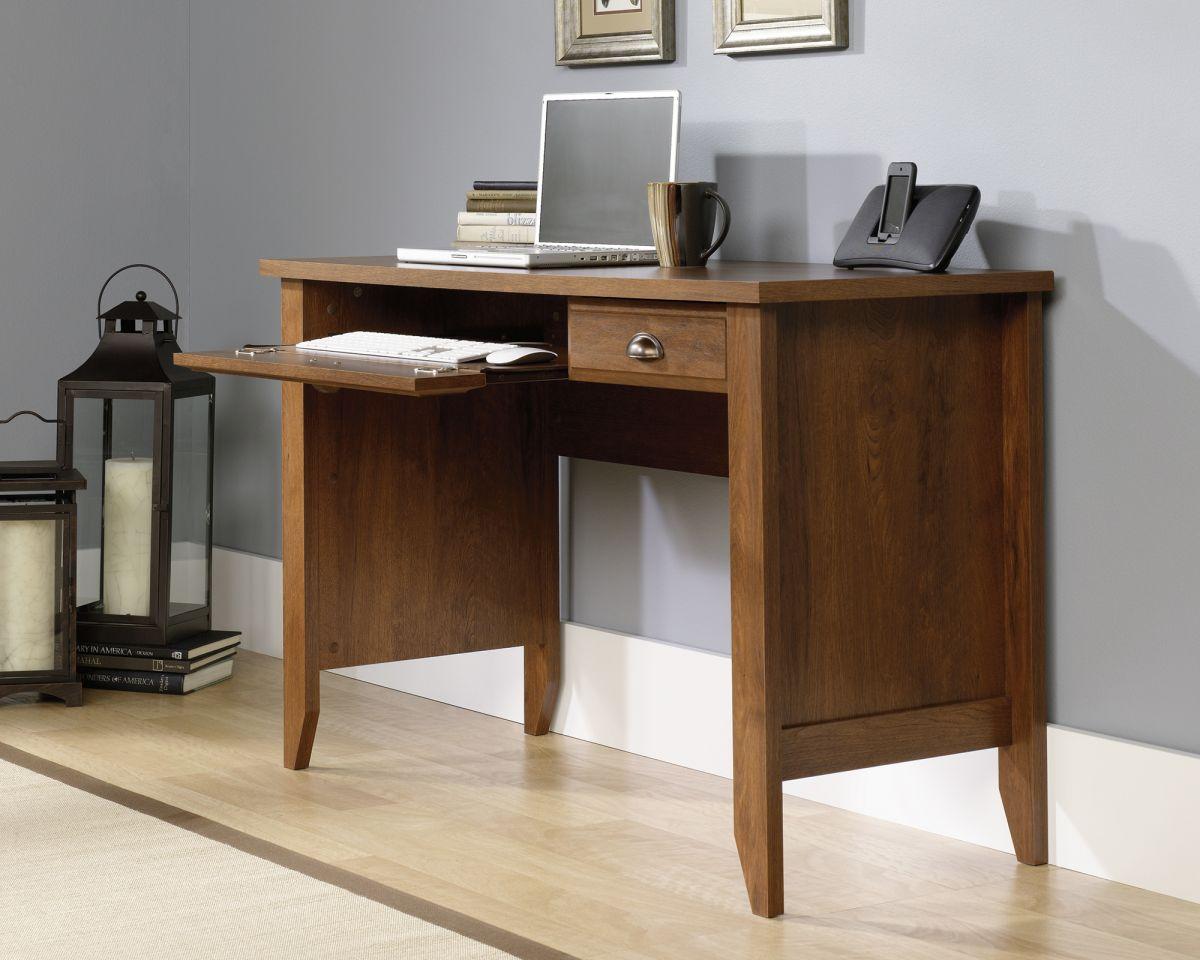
pixel 501 194
pixel 133 681
pixel 501 219
pixel 114 650
pixel 525 185
pixel 501 206
pixel 91 661
pixel 496 234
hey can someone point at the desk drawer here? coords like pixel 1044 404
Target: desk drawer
pixel 647 343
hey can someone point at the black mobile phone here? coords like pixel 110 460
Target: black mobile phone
pixel 897 199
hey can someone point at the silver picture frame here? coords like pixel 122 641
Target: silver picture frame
pixel 654 44
pixel 735 33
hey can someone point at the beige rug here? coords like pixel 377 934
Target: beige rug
pixel 89 870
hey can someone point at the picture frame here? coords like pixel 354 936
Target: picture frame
pixel 780 26
pixel 594 33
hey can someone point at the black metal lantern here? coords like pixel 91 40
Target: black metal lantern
pixel 37 577
pixel 140 429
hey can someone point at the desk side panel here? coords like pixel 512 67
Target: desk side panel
pixel 430 513
pixel 891 517
pixel 431 530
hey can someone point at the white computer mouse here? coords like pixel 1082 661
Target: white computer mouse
pixel 514 356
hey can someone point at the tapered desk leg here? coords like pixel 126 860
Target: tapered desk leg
pixel 755 571
pixel 1023 763
pixel 543 662
pixel 543 652
pixel 301 677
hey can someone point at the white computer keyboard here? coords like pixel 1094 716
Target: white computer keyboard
pixel 399 346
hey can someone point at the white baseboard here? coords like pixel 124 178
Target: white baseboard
pixel 1119 810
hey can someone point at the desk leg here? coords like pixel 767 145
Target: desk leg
pixel 301 677
pixel 1023 763
pixel 755 571
pixel 543 651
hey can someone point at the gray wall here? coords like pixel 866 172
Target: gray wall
pixel 93 175
pixel 320 129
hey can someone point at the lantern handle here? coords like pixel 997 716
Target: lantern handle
pixel 28 413
pixel 131 266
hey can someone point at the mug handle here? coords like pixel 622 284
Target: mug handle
pixel 713 195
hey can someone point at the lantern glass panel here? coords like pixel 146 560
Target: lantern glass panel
pixel 32 616
pixel 189 504
pixel 114 448
pixel 89 460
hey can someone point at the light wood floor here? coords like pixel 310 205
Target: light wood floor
pixel 596 852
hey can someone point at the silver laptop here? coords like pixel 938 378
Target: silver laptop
pixel 599 150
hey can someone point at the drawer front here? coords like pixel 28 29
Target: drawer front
pixel 645 343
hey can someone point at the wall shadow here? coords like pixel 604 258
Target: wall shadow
pixel 792 206
pixel 1123 471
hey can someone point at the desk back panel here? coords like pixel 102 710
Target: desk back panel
pixel 893 579
pixel 682 430
pixel 332 308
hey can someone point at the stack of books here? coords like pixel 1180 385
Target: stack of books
pixel 179 667
pixel 499 211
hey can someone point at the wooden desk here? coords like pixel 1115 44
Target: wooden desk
pixel 882 434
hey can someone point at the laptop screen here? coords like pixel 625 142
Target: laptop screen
pixel 597 158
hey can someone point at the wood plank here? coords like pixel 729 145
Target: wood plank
pixel 719 282
pixel 543 635
pixel 634 854
pixel 664 429
pixel 329 372
pixel 433 529
pixel 301 681
pixel 891 516
pixel 756 571
pixel 1023 764
pixel 817 748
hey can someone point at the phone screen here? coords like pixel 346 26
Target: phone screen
pixel 894 210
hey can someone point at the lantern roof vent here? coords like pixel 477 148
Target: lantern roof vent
pixel 139 309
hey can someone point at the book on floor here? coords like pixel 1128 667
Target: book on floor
pixel 191 648
pixel 92 661
pixel 146 681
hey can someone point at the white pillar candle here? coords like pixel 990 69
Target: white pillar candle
pixel 127 524
pixel 28 550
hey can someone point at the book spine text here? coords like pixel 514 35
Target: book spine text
pixel 501 206
pixel 496 234
pixel 466 218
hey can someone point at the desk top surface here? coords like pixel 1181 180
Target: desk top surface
pixel 720 281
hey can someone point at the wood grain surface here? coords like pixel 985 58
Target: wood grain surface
pixel 379 376
pixel 819 748
pixel 414 529
pixel 692 335
pixel 756 571
pixel 719 282
pixel 600 853
pixel 1023 764
pixel 891 519
pixel 301 560
pixel 665 429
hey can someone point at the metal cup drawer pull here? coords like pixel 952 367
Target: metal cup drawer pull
pixel 645 347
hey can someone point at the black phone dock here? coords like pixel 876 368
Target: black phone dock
pixel 939 218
